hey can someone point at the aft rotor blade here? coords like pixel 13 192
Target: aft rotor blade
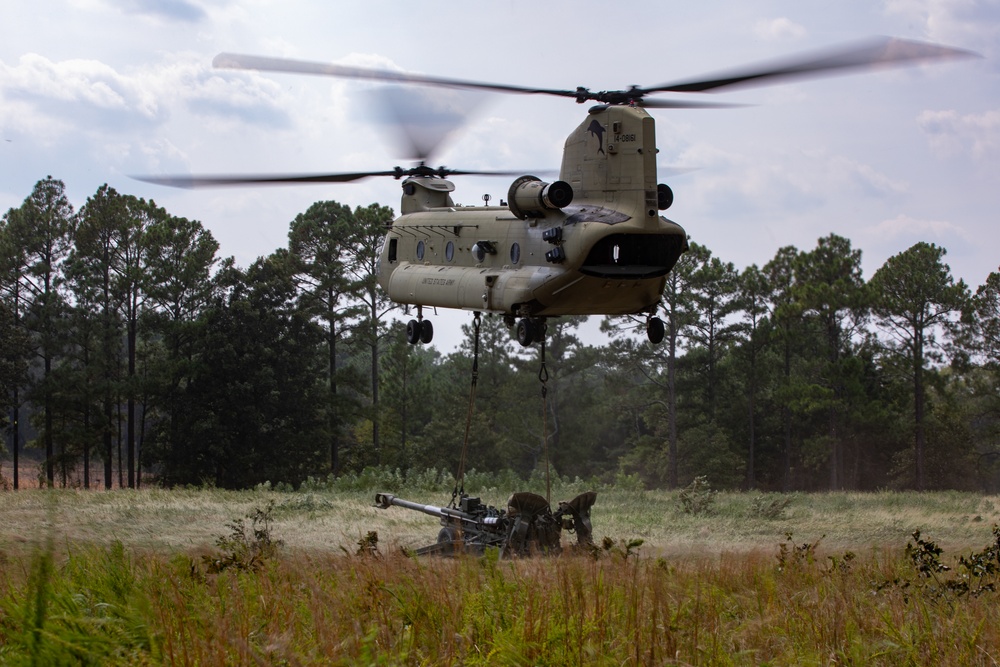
pixel 268 64
pixel 685 104
pixel 870 53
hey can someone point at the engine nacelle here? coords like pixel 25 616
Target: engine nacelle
pixel 529 196
pixel 664 196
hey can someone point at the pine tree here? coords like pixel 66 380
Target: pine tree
pixel 915 299
pixel 319 245
pixel 37 236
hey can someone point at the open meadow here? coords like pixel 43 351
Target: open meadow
pixel 188 577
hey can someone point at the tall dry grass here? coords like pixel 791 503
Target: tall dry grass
pixel 747 608
pixel 136 577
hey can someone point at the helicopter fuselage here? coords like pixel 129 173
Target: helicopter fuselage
pixel 592 243
pixel 486 259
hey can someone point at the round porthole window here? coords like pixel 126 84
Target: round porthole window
pixel 420 249
pixel 449 251
pixel 515 253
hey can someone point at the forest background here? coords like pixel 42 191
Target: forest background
pixel 132 354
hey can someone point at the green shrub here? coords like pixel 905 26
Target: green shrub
pixel 770 506
pixel 247 547
pixel 697 497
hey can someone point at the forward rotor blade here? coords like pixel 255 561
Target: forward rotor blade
pixel 268 64
pixel 222 180
pixel 466 172
pixel 876 52
pixel 191 182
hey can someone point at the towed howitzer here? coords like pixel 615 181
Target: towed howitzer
pixel 528 525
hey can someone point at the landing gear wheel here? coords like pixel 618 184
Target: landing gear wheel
pixel 413 332
pixel 530 330
pixel 655 330
pixel 525 332
pixel 426 331
pixel 538 329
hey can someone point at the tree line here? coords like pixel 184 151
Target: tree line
pixel 131 353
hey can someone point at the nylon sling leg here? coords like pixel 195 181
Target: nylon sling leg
pixel 543 377
pixel 460 478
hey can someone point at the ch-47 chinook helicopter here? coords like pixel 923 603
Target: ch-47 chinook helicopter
pixel 592 242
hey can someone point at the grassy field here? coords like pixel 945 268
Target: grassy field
pixel 141 577
pixel 183 520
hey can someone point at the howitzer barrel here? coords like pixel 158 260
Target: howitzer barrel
pixel 385 500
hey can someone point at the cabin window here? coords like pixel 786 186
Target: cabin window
pixel 420 250
pixel 392 249
pixel 449 251
pixel 515 253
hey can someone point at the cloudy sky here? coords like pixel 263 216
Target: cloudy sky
pixel 93 91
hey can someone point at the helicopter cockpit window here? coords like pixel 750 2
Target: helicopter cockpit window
pixel 420 249
pixel 515 253
pixel 392 250
pixel 449 251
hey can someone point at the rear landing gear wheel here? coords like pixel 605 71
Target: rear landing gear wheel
pixel 413 332
pixel 419 331
pixel 524 332
pixel 426 332
pixel 655 330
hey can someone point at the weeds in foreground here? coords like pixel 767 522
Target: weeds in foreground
pixel 247 546
pixel 792 555
pixel 118 607
pixel 368 545
pixel 623 548
pixel 334 609
pixel 86 610
pixel 976 574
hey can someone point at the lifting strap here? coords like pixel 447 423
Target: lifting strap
pixel 460 478
pixel 543 377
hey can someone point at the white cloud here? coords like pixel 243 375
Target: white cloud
pixel 172 10
pixel 80 81
pixel 778 29
pixel 784 182
pixel 49 99
pixel 950 133
pixel 862 178
pixel 971 24
pixel 904 227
